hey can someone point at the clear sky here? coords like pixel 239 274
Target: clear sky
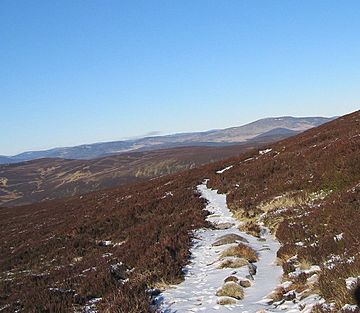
pixel 74 72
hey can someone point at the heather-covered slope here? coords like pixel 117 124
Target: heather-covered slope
pixel 47 179
pixel 307 190
pixel 116 244
pixel 63 255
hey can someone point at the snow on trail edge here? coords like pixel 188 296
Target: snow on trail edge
pixel 202 277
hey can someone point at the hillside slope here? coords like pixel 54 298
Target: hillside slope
pixel 47 179
pixel 118 243
pixel 307 191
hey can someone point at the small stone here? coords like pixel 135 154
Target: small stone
pixel 252 269
pixel 233 263
pixel 153 292
pixel 222 226
pixel 250 277
pixel 245 283
pixel 265 249
pixel 231 278
pixel 290 296
pixel 226 301
pixel 227 239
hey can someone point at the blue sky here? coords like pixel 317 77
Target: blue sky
pixel 77 72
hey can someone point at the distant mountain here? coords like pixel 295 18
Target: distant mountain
pixel 5 159
pixel 209 138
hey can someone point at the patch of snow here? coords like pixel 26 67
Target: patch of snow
pixel 95 300
pixel 119 243
pixel 4 307
pixel 330 263
pixel 117 265
pixel 339 237
pixel 125 197
pixel 167 194
pixel 327 306
pixel 286 284
pixel 313 279
pixel 197 293
pixel 106 255
pixel 90 307
pixel 311 270
pixel 60 289
pixel 105 243
pixel 262 152
pixel 89 269
pixel 351 282
pixel 304 305
pixel 350 260
pixel 224 169
pixel 350 307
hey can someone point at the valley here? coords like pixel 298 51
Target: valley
pixel 179 156
pixel 120 249
pixel 48 179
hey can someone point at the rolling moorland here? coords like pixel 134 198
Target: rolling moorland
pixel 121 243
pixel 280 126
pixel 48 179
pixel 53 178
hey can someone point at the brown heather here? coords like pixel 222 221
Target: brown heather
pixel 57 244
pixel 317 177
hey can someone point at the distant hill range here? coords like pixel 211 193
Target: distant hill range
pixel 281 126
pixel 55 178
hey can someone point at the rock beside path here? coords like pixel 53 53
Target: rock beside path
pixel 226 301
pixel 223 226
pixel 232 290
pixel 227 239
pixel 233 263
pixel 231 278
pixel 245 283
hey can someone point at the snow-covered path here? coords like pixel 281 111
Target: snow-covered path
pixel 202 277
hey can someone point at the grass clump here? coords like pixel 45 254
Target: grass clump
pixel 305 264
pixel 241 251
pixel 232 290
pixel 251 228
pixel 278 294
pixel 284 202
pixel 231 278
pixel 233 263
